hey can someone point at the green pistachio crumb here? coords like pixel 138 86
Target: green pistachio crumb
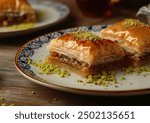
pixel 123 78
pixel 3 104
pixel 84 83
pixel 104 79
pixel 146 74
pixel 132 23
pixel 46 68
pixel 137 70
pixel 116 86
pixel 12 104
pixel 129 70
pixel 1 99
pixel 81 81
pixel 82 35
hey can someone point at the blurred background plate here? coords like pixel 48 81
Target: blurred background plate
pixel 49 14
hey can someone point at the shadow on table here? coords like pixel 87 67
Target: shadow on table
pixel 75 99
pixel 69 99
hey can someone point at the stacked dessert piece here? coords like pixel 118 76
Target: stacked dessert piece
pixel 16 12
pixel 84 52
pixel 133 36
pixel 87 53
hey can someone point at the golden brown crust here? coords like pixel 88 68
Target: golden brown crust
pixel 14 5
pixel 15 9
pixel 92 52
pixel 135 40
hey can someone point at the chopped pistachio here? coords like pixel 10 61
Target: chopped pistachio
pixel 82 35
pixel 40 14
pixel 46 68
pixel 1 99
pixel 115 81
pixel 84 83
pixel 109 78
pixel 103 79
pixel 123 78
pixel 80 81
pixel 137 70
pixel 22 26
pixel 132 23
pixel 3 104
pixel 129 70
pixel 116 86
pixel 146 74
pixel 12 104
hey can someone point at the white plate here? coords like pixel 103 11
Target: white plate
pixel 36 50
pixel 49 13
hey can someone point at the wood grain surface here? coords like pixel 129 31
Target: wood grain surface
pixel 15 89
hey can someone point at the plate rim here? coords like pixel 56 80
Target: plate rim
pixel 24 31
pixel 71 89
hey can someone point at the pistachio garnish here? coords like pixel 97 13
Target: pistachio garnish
pixel 132 23
pixel 82 35
pixel 104 79
pixel 46 68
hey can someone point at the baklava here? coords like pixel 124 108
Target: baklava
pixel 85 53
pixel 16 12
pixel 132 35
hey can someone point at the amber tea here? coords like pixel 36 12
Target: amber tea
pixel 95 8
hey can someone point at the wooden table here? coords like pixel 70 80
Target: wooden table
pixel 15 89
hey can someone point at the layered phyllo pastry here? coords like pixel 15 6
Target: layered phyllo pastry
pixel 85 53
pixel 16 12
pixel 132 35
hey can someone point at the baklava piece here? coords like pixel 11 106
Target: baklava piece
pixel 133 36
pixel 16 12
pixel 85 53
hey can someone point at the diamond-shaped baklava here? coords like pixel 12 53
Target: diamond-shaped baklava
pixel 16 12
pixel 85 53
pixel 132 35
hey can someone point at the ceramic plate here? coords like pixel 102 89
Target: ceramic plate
pixel 36 50
pixel 49 13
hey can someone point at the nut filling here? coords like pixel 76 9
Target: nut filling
pixel 10 19
pixel 71 61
